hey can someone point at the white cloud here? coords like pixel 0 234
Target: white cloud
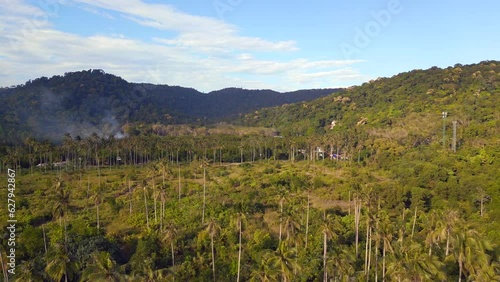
pixel 338 77
pixel 205 53
pixel 94 10
pixel 203 33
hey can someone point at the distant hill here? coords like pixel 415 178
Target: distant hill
pixel 406 108
pixel 84 102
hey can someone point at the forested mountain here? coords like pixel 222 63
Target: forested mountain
pixel 81 103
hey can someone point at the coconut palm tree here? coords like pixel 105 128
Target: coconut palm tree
pixel 169 237
pixel 148 273
pixel 452 219
pixel 163 200
pixel 103 268
pixel 267 269
pixel 60 265
pixel 290 226
pixel 357 217
pixel 434 229
pixel 97 198
pixel 146 212
pixel 412 263
pixel 204 192
pixel 469 251
pixel 240 219
pixel 341 264
pixel 385 233
pixel 152 172
pixel 61 205
pixel 27 272
pixel 282 197
pixel 327 233
pixel 285 261
pixel 67 147
pixel 212 229
pixel 31 143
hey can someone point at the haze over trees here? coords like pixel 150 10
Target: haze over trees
pixel 86 102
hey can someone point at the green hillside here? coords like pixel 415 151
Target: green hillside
pixel 387 194
pixel 407 107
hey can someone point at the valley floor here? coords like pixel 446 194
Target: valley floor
pixel 323 220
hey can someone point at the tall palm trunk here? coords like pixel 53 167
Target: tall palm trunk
pixel 377 241
pixel 162 211
pixel 4 271
pixel 357 216
pixel 173 253
pixel 97 212
pixel 383 262
pixel 414 222
pixel 179 174
pixel 349 200
pixel 44 239
pixel 239 251
pixel 367 245
pixel 460 267
pixel 369 253
pixel 129 198
pixel 377 245
pixel 204 195
pixel 281 218
pixel 307 220
pixel 163 177
pixel 155 200
pixel 213 255
pixel 447 241
pixel 325 273
pixel 98 167
pixel 403 228
pixel 88 192
pixel 146 207
pixel 65 233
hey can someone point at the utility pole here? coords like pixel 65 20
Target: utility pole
pixel 444 114
pixel 454 142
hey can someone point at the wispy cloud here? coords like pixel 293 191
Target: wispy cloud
pixel 204 53
pixel 90 9
pixel 206 34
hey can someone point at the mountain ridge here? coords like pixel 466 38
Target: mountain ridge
pixel 84 102
pixel 411 102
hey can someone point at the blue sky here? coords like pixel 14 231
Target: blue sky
pixel 213 44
